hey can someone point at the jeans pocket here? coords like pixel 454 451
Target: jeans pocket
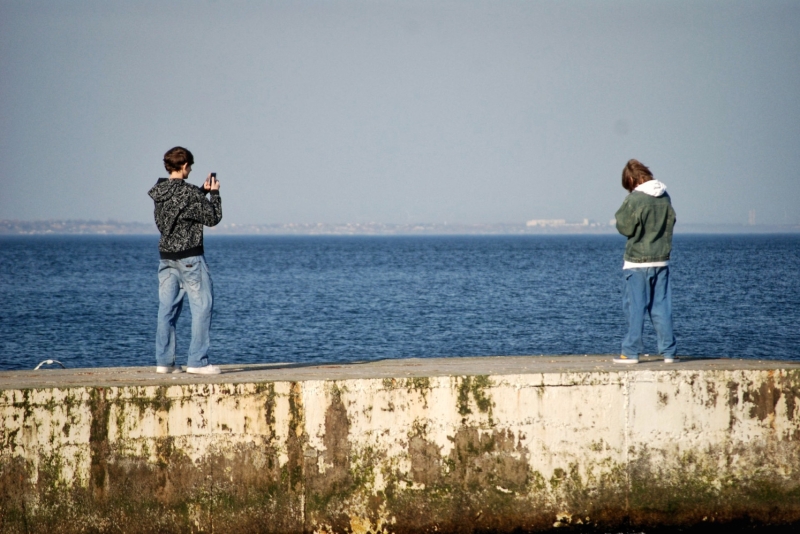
pixel 192 272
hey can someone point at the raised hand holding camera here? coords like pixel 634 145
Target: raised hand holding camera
pixel 211 183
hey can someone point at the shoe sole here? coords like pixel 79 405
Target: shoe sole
pixel 628 362
pixel 170 371
pixel 201 371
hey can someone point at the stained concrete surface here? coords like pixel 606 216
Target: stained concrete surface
pixel 489 444
pixel 389 368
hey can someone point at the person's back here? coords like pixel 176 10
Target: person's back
pixel 646 218
pixel 181 211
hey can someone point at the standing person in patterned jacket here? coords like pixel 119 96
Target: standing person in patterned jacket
pixel 181 211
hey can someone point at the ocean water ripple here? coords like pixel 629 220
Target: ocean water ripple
pixel 92 300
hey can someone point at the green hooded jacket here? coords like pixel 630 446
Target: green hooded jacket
pixel 646 218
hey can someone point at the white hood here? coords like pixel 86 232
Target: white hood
pixel 654 188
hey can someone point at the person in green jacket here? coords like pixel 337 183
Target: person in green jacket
pixel 646 218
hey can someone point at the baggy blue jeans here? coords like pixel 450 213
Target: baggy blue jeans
pixel 648 291
pixel 187 277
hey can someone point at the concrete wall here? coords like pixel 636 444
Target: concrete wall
pixel 605 449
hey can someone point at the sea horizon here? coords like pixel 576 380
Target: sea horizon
pixel 10 227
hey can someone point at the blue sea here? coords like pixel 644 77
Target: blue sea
pixel 91 301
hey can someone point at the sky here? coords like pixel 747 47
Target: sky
pixel 401 111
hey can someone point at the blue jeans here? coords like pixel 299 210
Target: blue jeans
pixel 648 291
pixel 176 279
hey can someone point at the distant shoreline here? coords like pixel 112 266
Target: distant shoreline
pixel 84 227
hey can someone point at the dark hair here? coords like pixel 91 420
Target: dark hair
pixel 176 158
pixel 634 174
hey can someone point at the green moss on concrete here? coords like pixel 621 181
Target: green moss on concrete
pixel 389 384
pixel 421 385
pixel 327 491
pixel 159 402
pixel 363 467
pixel 223 494
pixel 292 474
pixel 537 482
pixel 476 387
pixel 98 440
pixel 790 387
pixel 270 418
pixel 24 405
pixel 695 487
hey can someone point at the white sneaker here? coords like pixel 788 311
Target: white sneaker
pixel 207 370
pixel 671 359
pixel 625 359
pixel 172 369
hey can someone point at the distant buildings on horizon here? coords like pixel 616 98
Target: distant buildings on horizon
pixel 562 223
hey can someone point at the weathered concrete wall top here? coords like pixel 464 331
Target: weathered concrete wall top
pixel 445 445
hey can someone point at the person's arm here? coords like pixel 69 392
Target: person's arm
pixel 626 219
pixel 207 211
pixel 212 209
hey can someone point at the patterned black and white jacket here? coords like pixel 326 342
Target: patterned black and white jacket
pixel 181 211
